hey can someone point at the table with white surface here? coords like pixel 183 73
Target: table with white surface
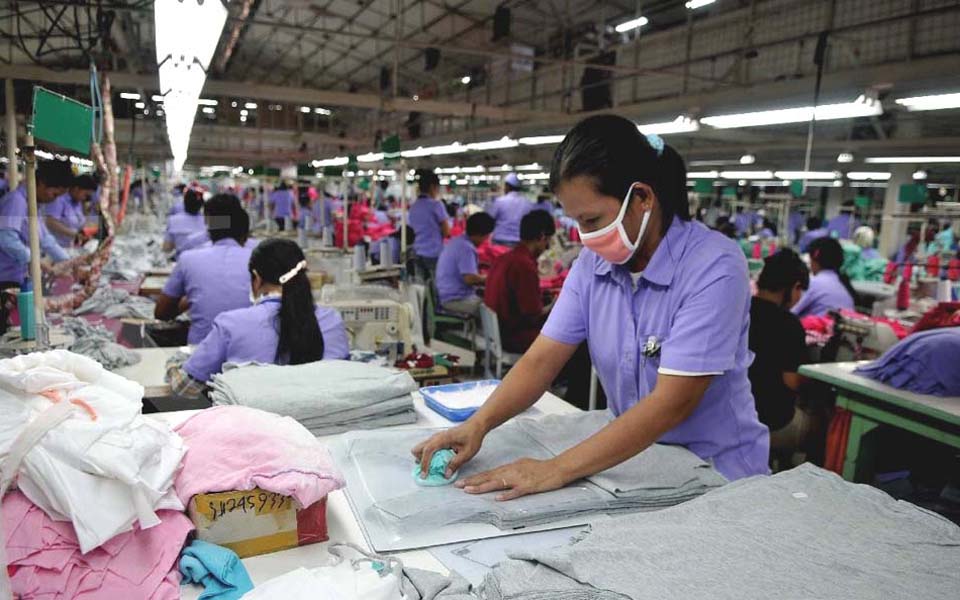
pixel 150 372
pixel 342 524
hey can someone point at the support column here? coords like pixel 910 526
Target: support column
pixel 13 177
pixel 893 232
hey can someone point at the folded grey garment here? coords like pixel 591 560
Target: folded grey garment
pixel 803 533
pixel 323 393
pixel 427 585
pixel 97 342
pixel 403 417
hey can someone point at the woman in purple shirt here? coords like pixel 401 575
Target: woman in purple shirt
pixel 830 288
pixel 664 305
pixel 283 326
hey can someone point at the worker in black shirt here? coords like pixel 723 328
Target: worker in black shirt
pixel 779 343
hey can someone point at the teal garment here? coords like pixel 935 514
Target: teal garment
pixel 217 569
pixel 438 468
pixel 859 269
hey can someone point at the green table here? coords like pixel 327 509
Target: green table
pixel 874 404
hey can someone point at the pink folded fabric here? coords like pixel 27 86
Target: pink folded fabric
pixel 45 560
pixel 239 448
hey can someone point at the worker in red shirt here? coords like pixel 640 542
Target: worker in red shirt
pixel 513 284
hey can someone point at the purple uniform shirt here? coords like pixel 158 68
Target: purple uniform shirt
pixel 508 210
pixel 251 335
pixel 322 211
pixel 214 280
pixel 186 231
pixel 426 218
pixel 826 293
pixel 689 315
pixel 281 202
pixel 842 226
pixel 459 258
pixel 69 212
pixel 811 235
pixel 870 254
pixel 14 217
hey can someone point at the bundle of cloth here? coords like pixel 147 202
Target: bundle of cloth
pixel 89 468
pixel 97 342
pixel 803 533
pixel 859 268
pixel 134 255
pixel 115 303
pixel 924 362
pixel 326 397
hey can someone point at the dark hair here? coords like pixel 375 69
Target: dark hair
pixel 829 255
pixel 782 271
pixel 192 202
pixel 814 223
pixel 300 338
pixel 508 187
pixel 283 186
pixel 227 219
pixel 535 224
pixel 84 182
pixel 54 173
pixel 426 180
pixel 612 152
pixel 480 224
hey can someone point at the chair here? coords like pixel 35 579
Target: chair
pixel 436 315
pixel 492 343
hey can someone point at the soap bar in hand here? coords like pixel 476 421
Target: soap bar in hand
pixel 438 468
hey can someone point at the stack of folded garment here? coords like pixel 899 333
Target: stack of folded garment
pixel 924 362
pixel 115 303
pixel 97 342
pixel 803 533
pixel 45 560
pixel 133 255
pixel 326 397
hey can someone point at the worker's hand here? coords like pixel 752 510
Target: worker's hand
pixel 464 440
pixel 46 265
pixel 184 304
pixel 520 478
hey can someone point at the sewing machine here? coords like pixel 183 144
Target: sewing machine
pixel 372 323
pixel 862 339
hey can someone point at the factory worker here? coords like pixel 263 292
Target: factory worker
pixel 283 326
pixel 815 231
pixel 66 215
pixel 864 237
pixel 458 270
pixel 187 229
pixel 663 303
pixel 843 225
pixel 830 288
pixel 176 207
pixel 508 210
pixel 52 177
pixel 544 203
pixel 211 279
pixel 281 205
pixel 429 220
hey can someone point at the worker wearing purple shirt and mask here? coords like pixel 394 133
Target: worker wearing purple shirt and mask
pixel 664 305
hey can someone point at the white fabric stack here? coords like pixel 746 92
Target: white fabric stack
pixel 105 467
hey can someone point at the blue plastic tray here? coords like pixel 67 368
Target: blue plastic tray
pixel 453 414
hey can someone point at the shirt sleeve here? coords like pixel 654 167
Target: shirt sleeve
pixel 11 245
pixel 806 301
pixel 336 345
pixel 440 212
pixel 176 285
pixel 467 263
pixel 567 323
pixel 209 355
pixel 51 247
pixel 707 326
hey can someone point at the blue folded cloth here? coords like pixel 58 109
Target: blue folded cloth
pixel 217 569
pixel 924 362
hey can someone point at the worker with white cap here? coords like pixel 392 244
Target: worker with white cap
pixel 864 237
pixel 508 210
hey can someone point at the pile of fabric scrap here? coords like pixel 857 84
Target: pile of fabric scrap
pixel 115 303
pixel 326 397
pixel 132 256
pixel 97 342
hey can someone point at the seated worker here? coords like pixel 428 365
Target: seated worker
pixel 545 202
pixel 815 230
pixel 458 272
pixel 830 288
pixel 53 177
pixel 779 345
pixel 864 237
pixel 507 210
pixel 187 229
pixel 213 279
pixel 66 215
pixel 283 326
pixel 513 284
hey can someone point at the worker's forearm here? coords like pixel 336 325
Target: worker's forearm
pixel 56 226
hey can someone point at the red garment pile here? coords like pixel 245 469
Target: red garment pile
pixel 945 314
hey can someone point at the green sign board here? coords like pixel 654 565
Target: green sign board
pixel 352 164
pixel 729 192
pixel 306 170
pixel 862 202
pixel 62 121
pixel 391 149
pixel 796 188
pixel 703 186
pixel 333 171
pixel 912 193
pixel 266 171
pixel 364 184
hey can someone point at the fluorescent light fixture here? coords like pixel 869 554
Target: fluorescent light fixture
pixel 209 110
pixel 631 24
pixel 530 167
pixel 920 175
pixel 476 169
pixel 534 176
pixel 140 105
pixel 807 174
pixel 156 98
pixel 844 157
pixel 370 157
pixel 416 98
pixel 447 170
pixel 207 102
pixel 541 140
pixel 250 105
pixel 243 118
pixel 323 111
pixel 867 184
pixel 933 102
pixel 305 109
pixel 861 107
pixel 702 174
pixel 244 113
pixel 454 148
pixel 386 172
pixel 504 142
pixel 338 161
pixel 465 80
pixel 679 125
pixel 748 159
pixel 129 96
pixel 695 4
pixel 233 104
pixel 868 175
pixel 892 160
pixel 712 163
pixel 746 174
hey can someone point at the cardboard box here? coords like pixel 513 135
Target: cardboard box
pixel 257 521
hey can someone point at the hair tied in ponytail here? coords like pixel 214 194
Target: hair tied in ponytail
pixel 292 272
pixel 656 142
